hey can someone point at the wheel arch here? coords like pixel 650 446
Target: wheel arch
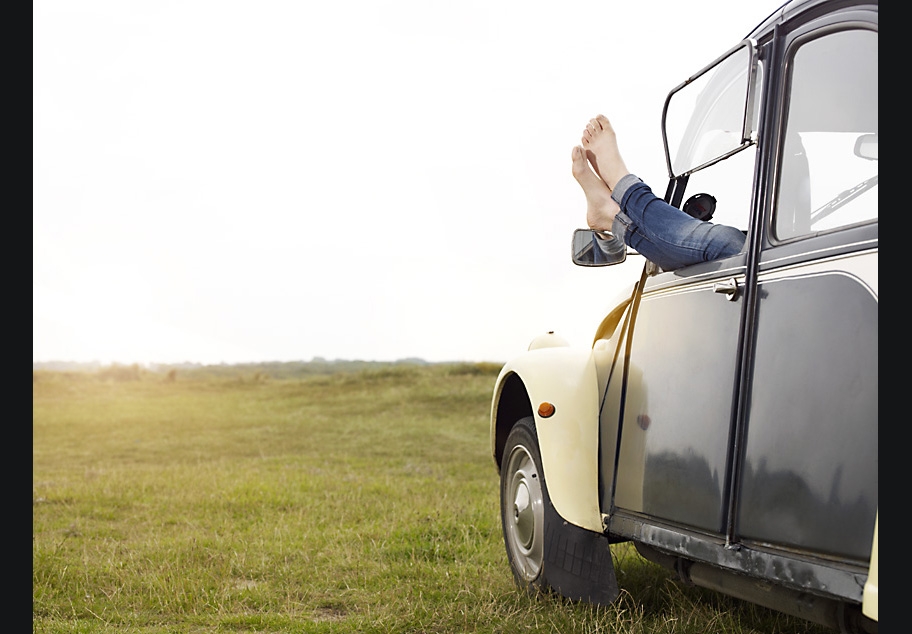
pixel 568 439
pixel 511 403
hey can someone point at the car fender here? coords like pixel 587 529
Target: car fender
pixel 553 373
pixel 869 601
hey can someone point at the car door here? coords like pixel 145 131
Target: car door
pixel 672 462
pixel 809 465
pixel 683 355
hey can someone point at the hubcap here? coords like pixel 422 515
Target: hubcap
pixel 524 513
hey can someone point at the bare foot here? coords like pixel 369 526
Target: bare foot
pixel 602 151
pixel 600 207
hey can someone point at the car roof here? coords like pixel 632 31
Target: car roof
pixel 788 9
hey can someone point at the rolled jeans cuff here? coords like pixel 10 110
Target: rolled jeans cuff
pixel 626 182
pixel 622 221
pixel 620 225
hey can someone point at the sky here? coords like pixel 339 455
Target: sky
pixel 217 181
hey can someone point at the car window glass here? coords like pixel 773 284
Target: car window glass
pixel 828 175
pixel 705 118
pixel 730 183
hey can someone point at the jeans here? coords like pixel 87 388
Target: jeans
pixel 666 235
pixel 607 251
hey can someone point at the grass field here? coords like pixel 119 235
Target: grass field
pixel 354 502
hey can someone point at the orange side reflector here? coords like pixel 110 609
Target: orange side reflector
pixel 545 410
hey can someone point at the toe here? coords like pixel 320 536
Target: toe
pixel 582 171
pixel 579 161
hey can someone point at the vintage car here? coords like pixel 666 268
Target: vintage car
pixel 724 418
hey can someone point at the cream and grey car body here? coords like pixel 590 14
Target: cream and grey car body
pixel 725 417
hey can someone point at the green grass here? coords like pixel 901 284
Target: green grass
pixel 354 502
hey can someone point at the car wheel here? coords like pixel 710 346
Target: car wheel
pixel 523 496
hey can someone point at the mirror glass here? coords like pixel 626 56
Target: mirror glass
pixel 866 146
pixel 707 117
pixel 597 248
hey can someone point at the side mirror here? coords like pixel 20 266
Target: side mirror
pixel 597 248
pixel 866 146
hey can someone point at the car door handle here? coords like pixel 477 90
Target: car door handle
pixel 728 287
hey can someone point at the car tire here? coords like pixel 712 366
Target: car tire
pixel 547 554
pixel 523 499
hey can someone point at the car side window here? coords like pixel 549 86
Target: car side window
pixel 828 174
pixel 712 109
pixel 730 183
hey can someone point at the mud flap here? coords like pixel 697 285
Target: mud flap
pixel 577 562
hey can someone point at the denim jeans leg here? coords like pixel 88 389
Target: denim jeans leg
pixel 666 235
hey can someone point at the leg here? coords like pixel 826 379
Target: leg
pixel 600 143
pixel 600 208
pixel 662 233
pixel 668 236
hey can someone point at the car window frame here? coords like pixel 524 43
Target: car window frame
pixel 852 18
